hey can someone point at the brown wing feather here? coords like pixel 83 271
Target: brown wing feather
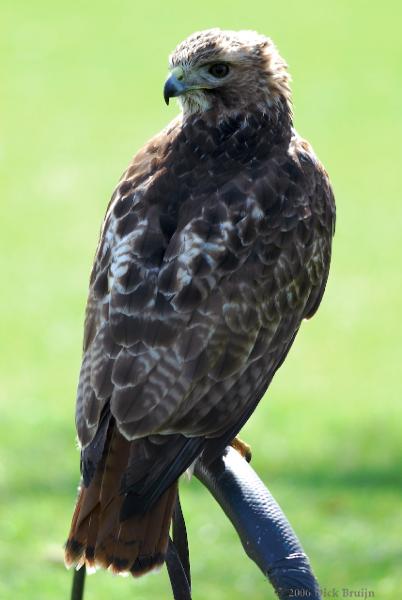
pixel 200 288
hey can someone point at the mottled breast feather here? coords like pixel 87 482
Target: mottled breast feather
pixel 215 246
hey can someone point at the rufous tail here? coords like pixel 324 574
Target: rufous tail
pixel 99 538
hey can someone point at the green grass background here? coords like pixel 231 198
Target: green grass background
pixel 81 91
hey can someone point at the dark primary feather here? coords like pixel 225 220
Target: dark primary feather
pixel 215 246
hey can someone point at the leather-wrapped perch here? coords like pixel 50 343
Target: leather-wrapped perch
pixel 266 534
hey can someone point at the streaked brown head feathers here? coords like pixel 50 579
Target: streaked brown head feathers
pixel 256 73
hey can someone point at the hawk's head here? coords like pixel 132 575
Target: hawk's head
pixel 228 71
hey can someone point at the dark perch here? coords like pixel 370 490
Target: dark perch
pixel 77 591
pixel 264 531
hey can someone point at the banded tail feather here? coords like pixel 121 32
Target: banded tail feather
pixel 99 537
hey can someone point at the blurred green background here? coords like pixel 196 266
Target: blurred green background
pixel 81 92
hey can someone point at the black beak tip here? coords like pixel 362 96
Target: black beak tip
pixel 173 88
pixel 168 91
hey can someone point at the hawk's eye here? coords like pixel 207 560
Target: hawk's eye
pixel 219 70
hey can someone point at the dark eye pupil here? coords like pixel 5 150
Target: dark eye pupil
pixel 219 70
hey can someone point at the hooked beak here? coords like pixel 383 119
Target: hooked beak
pixel 174 87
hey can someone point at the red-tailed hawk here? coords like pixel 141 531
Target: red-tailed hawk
pixel 215 246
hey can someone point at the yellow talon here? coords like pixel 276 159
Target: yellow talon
pixel 242 448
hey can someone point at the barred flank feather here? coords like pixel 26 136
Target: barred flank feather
pixel 98 537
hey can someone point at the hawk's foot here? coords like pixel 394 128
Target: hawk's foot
pixel 242 448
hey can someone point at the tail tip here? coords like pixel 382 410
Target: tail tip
pixel 74 554
pixel 145 564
